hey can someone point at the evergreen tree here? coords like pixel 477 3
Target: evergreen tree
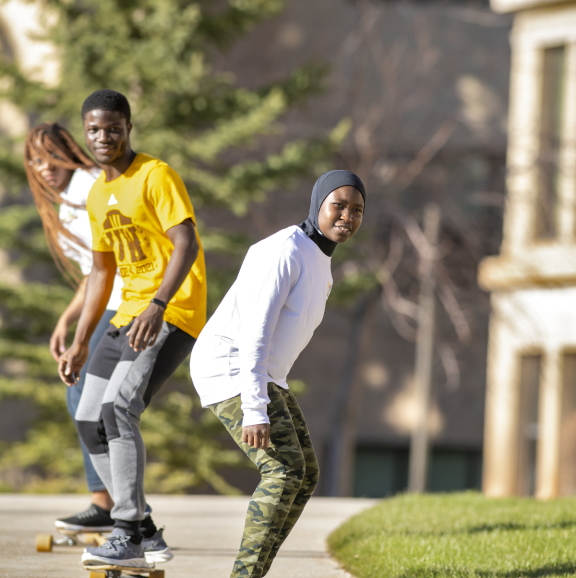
pixel 214 133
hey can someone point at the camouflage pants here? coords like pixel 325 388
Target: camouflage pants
pixel 289 471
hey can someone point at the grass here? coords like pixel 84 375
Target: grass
pixel 459 536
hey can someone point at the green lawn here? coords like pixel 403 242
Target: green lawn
pixel 459 535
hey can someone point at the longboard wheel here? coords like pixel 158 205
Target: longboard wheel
pixel 44 543
pixel 96 574
pixel 156 574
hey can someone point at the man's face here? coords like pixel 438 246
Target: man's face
pixel 341 214
pixel 107 135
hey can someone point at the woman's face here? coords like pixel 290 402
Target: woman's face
pixel 57 178
pixel 341 213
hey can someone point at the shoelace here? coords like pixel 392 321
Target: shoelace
pixel 113 540
pixel 87 513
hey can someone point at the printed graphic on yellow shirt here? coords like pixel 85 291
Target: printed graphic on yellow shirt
pixel 125 239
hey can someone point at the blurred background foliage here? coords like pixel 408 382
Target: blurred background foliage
pixel 224 140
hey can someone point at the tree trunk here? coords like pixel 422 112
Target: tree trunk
pixel 419 446
pixel 340 444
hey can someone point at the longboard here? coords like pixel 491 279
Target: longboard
pixel 45 542
pixel 112 571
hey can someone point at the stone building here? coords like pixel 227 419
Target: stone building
pixel 530 428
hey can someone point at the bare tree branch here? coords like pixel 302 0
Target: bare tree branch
pixel 451 305
pixel 450 365
pixel 400 310
pixel 427 153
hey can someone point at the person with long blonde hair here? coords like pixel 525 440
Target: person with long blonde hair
pixel 60 175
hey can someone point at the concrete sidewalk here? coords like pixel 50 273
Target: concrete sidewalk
pixel 203 531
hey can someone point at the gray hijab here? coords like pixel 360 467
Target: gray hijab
pixel 327 183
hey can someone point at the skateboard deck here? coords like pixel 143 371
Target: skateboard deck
pixel 113 571
pixel 45 542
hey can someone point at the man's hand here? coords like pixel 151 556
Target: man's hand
pixel 257 436
pixel 146 328
pixel 58 340
pixel 71 362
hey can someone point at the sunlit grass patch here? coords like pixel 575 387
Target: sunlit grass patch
pixel 459 536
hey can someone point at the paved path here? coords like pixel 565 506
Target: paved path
pixel 203 531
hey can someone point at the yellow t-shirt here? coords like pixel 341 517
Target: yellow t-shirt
pixel 130 216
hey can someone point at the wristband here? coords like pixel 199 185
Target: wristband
pixel 158 302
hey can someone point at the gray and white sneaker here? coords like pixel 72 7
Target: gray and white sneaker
pixel 156 549
pixel 118 551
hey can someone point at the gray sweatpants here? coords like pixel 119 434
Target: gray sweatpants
pixel 120 383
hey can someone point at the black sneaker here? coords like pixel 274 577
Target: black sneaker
pixel 94 519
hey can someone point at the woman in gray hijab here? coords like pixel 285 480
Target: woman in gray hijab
pixel 242 358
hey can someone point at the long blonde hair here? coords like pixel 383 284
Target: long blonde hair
pixel 51 142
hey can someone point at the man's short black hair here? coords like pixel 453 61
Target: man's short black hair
pixel 106 99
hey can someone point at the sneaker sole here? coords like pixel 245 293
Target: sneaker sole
pixel 91 560
pixel 160 556
pixel 74 528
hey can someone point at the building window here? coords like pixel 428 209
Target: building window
pixel 568 426
pixel 383 471
pixel 550 140
pixel 529 392
pixel 380 471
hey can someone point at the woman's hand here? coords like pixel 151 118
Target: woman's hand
pixel 257 436
pixel 68 317
pixel 58 340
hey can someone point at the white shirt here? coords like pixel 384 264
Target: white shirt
pixel 263 323
pixel 77 222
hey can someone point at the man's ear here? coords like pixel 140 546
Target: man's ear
pixel 129 127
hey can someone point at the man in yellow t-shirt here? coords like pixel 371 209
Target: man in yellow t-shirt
pixel 129 216
pixel 142 223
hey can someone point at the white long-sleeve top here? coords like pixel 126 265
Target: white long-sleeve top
pixel 263 323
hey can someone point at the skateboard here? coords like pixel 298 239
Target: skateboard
pixel 118 571
pixel 45 542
